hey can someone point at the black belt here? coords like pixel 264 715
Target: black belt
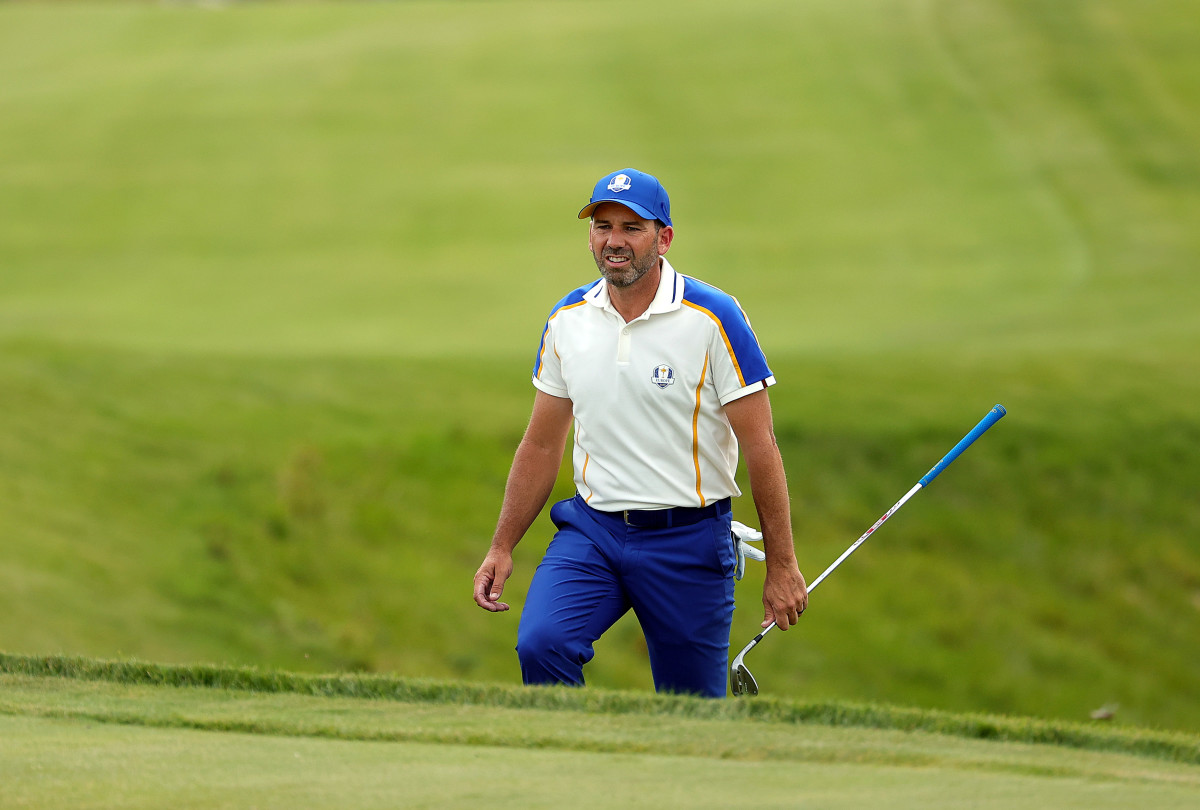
pixel 676 516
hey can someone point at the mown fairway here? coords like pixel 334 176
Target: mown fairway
pixel 271 278
pixel 149 736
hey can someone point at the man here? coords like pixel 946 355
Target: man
pixel 663 381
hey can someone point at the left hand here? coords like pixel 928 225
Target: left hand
pixel 785 595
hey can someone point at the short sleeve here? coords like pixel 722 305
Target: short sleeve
pixel 739 366
pixel 547 367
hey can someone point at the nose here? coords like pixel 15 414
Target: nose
pixel 615 239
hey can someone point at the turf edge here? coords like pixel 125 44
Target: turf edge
pixel 1164 745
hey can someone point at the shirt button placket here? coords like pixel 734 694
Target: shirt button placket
pixel 623 341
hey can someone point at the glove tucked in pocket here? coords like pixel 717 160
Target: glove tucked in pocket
pixel 743 535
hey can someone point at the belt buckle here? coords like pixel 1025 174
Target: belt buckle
pixel 625 514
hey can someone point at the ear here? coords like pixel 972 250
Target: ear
pixel 665 235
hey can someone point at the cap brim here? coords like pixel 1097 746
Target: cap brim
pixel 587 210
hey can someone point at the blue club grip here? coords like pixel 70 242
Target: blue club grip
pixel 993 416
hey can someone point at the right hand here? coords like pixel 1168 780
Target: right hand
pixel 785 596
pixel 490 578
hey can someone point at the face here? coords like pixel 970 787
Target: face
pixel 625 246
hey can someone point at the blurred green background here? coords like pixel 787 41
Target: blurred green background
pixel 272 276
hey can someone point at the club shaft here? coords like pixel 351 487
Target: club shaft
pixel 845 554
pixel 986 422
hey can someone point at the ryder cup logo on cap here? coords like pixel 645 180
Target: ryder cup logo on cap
pixel 620 183
pixel 637 191
pixel 663 375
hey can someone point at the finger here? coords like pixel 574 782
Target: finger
pixel 497 586
pixel 488 589
pixel 483 589
pixel 491 604
pixel 494 604
pixel 787 617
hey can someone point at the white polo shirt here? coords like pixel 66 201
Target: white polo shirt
pixel 648 396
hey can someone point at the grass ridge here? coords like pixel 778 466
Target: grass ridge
pixel 1166 745
pixel 698 748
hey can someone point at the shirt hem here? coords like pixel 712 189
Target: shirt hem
pixel 552 390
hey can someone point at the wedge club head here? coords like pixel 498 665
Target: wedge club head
pixel 741 682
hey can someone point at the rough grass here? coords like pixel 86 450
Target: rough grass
pixel 312 515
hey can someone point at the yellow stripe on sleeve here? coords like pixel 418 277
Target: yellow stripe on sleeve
pixel 724 337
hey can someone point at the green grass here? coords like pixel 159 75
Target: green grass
pixel 54 672
pixel 271 278
pixel 306 514
pixel 135 767
pixel 340 177
pixel 137 733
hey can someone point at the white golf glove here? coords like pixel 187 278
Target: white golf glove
pixel 743 535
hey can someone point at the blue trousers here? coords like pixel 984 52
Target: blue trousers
pixel 678 581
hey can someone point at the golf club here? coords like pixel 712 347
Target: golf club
pixel 741 682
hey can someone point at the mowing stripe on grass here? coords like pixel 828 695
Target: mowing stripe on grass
pixel 1170 746
pixel 87 704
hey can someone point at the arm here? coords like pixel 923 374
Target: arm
pixel 785 595
pixel 530 481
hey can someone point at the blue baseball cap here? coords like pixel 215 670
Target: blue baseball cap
pixel 638 191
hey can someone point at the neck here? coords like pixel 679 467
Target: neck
pixel 632 302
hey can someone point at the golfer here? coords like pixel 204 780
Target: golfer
pixel 663 380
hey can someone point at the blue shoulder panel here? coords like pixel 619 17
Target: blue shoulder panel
pixel 573 297
pixel 747 353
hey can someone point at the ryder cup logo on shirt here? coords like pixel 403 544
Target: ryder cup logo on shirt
pixel 663 375
pixel 620 183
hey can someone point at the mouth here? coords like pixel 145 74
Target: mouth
pixel 617 260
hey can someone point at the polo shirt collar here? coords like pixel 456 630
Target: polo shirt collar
pixel 668 297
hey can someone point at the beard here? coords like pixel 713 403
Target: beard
pixel 638 266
